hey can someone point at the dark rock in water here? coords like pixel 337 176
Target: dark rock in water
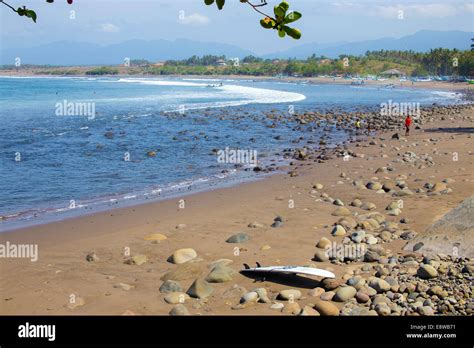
pixel 238 238
pixel 109 135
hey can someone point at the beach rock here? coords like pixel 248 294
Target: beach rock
pixel 220 274
pixel 358 236
pixel 362 297
pixel 178 310
pixel 382 309
pixel 427 272
pixel 395 205
pixel 180 226
pixel 370 239
pixel 379 285
pixel 341 211
pixel 327 296
pixel 176 298
pixel 425 310
pixel 345 293
pixel 92 257
pixel 316 292
pixel 374 185
pixel 183 272
pixel 256 225
pixel 438 187
pixel 394 212
pixel 250 297
pixel 321 256
pixel 324 243
pixel 318 186
pixel 136 260
pixel 170 286
pixel 289 295
pixel 356 203
pixel 371 256
pixel 124 286
pixel 238 238
pixel 200 289
pixel 338 202
pixel 262 295
pixel 265 247
pixel 183 255
pixel 368 206
pixel 338 230
pixel 348 222
pixel 457 226
pixel 292 308
pixel 158 237
pixel 326 308
pixel 277 306
pixel 235 291
pixel 309 311
pixel 418 246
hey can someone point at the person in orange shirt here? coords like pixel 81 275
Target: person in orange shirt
pixel 408 122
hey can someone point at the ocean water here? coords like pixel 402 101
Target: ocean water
pixel 54 164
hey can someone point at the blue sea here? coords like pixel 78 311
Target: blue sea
pixel 71 146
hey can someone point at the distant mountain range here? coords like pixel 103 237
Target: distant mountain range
pixel 81 53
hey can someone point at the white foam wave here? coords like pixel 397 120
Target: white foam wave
pixel 162 82
pixel 236 95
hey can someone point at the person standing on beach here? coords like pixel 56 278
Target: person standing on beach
pixel 408 123
pixel 357 124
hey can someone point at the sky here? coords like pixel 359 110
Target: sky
pixel 323 21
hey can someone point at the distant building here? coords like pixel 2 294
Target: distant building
pixel 325 61
pixel 221 62
pixel 159 64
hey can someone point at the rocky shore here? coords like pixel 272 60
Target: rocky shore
pixel 362 209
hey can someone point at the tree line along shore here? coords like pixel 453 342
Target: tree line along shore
pixel 444 64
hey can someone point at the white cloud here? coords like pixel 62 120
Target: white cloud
pixel 403 9
pixel 193 19
pixel 469 7
pixel 109 28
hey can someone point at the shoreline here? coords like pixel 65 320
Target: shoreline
pixel 209 218
pixel 462 87
pixel 21 220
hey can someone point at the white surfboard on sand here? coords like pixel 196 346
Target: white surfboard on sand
pixel 291 269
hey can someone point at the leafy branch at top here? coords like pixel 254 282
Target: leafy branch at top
pixel 278 21
pixel 22 11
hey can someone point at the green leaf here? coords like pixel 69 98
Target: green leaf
pixel 220 4
pixel 208 2
pixel 280 10
pixel 292 17
pixel 294 33
pixel 281 32
pixel 31 14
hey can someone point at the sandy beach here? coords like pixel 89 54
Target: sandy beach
pixel 120 261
